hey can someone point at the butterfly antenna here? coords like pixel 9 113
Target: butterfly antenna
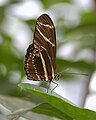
pixel 67 69
pixel 77 73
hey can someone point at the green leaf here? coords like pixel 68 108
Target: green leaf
pixel 88 17
pixel 62 105
pixel 13 108
pixel 2 13
pixel 49 110
pixel 31 22
pixel 15 1
pixel 80 65
pixel 7 49
pixel 84 26
pixel 48 3
pixel 84 33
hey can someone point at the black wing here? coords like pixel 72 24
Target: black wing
pixel 40 60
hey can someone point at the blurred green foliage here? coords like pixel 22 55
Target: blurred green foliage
pixel 82 35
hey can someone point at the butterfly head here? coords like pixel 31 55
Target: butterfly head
pixel 57 76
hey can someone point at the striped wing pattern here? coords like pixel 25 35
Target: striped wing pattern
pixel 40 59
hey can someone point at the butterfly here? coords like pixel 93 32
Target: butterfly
pixel 40 59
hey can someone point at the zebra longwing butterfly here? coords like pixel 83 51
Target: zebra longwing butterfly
pixel 40 59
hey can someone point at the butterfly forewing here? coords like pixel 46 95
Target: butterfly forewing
pixel 40 60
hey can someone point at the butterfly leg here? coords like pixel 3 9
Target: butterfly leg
pixel 48 86
pixel 54 87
